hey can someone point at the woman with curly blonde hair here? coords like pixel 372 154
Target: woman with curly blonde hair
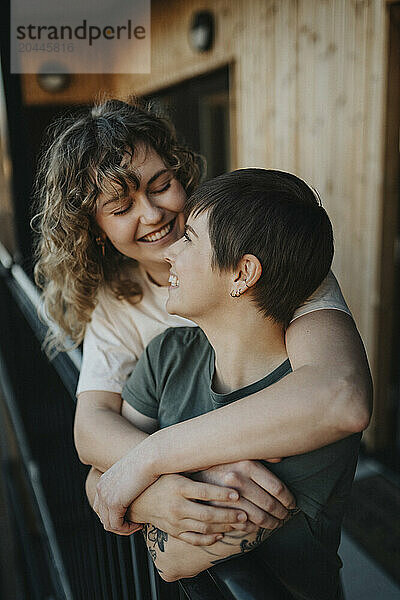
pixel 89 156
pixel 111 192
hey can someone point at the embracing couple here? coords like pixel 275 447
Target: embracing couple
pixel 181 423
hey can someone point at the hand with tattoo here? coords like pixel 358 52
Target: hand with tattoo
pixel 175 559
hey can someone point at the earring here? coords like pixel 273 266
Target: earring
pixel 100 242
pixel 239 292
pixel 236 293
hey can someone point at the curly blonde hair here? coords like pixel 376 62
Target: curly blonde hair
pixel 84 156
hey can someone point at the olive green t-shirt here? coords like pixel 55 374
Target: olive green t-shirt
pixel 172 382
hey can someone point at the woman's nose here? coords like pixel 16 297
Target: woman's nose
pixel 150 213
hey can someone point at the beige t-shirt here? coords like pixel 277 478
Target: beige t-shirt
pixel 119 331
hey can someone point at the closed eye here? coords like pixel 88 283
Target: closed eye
pixel 123 211
pixel 163 189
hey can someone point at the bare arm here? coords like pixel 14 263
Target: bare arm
pixel 326 398
pixel 175 559
pixel 104 432
pixel 103 435
pixel 168 504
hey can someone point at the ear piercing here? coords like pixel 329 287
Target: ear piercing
pixel 239 292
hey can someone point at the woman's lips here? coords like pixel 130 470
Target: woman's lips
pixel 159 234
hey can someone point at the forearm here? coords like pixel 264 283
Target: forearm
pixel 91 482
pixel 175 559
pixel 102 434
pixel 165 507
pixel 257 427
pixel 109 438
pixel 327 397
pixel 133 513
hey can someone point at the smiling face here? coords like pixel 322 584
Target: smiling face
pixel 143 223
pixel 196 290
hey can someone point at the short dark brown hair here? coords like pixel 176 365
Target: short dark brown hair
pixel 279 219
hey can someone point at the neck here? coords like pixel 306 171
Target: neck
pixel 247 346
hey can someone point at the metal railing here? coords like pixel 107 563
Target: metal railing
pixel 67 555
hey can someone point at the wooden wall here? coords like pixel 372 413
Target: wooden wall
pixel 308 96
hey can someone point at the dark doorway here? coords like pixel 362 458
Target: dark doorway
pixel 199 109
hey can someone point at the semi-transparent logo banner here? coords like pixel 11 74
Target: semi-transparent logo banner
pixel 80 36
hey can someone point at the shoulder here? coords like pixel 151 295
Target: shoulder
pixel 327 296
pixel 186 335
pixel 174 339
pixel 177 348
